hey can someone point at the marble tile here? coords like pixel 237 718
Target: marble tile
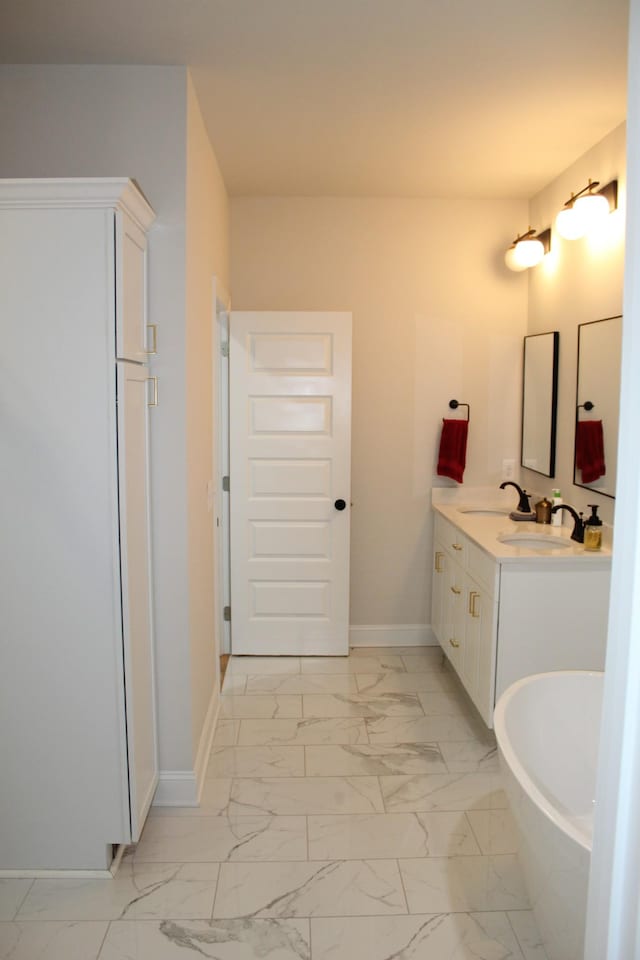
pixel 494 830
pixel 12 893
pixel 391 651
pixel 381 836
pixel 448 791
pixel 353 760
pixel 344 888
pixel 214 802
pixel 378 663
pixel 51 941
pixel 256 761
pixel 458 936
pixel 310 683
pixel 421 729
pixel 374 684
pixel 426 661
pixel 470 757
pixel 306 795
pixel 439 885
pixel 267 707
pixel 198 839
pixel 138 891
pixel 217 939
pixel 303 731
pixel 358 705
pixel 226 733
pixel 243 666
pixel 526 930
pixel 233 684
pixel 452 703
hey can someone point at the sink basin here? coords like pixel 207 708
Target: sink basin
pixel 483 512
pixel 533 541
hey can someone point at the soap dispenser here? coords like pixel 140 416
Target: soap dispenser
pixel 543 510
pixel 593 529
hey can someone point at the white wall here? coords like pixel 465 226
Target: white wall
pixel 436 316
pixel 579 281
pixel 207 251
pixel 133 121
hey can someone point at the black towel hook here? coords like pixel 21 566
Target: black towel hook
pixel 587 405
pixel 454 404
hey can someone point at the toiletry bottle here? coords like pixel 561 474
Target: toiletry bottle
pixel 593 529
pixel 543 511
pixel 556 500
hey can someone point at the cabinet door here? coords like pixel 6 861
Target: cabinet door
pixel 438 591
pixel 479 645
pixel 131 290
pixel 136 590
pixel 455 625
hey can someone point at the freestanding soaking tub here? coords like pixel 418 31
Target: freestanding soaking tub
pixel 548 727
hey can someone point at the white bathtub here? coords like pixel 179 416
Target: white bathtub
pixel 548 727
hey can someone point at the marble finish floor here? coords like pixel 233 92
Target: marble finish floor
pixel 353 808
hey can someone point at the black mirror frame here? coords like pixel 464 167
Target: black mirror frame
pixel 553 426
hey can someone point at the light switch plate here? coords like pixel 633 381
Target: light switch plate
pixel 508 469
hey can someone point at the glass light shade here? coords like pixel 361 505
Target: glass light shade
pixel 592 209
pixel 511 261
pixel 569 224
pixel 528 253
pixel 586 213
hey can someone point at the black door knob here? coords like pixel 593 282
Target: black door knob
pixel 340 504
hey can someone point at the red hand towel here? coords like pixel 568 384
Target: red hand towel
pixel 453 449
pixel 590 450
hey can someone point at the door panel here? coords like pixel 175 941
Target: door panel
pixel 290 414
pixel 136 587
pixel 131 309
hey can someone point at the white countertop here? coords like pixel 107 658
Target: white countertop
pixel 487 532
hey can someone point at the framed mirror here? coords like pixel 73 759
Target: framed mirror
pixel 540 402
pixel 597 405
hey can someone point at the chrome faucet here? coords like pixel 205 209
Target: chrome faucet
pixel 578 522
pixel 524 506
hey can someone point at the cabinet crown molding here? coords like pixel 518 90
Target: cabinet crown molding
pixel 117 193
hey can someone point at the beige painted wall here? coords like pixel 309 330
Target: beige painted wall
pixel 436 315
pixel 579 281
pixel 207 253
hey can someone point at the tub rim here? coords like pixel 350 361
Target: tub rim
pixel 505 746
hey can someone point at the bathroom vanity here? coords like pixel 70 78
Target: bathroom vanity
pixel 513 599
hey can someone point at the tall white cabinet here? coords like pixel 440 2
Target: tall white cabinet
pixel 78 754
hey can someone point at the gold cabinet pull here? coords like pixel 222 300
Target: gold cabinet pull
pixel 457 546
pixel 438 562
pixel 456 590
pixel 154 381
pixel 454 643
pixel 154 339
pixel 473 596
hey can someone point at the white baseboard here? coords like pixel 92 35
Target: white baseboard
pixel 176 788
pixel 182 788
pixel 56 874
pixel 206 740
pixel 399 635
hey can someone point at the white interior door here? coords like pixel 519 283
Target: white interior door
pixel 290 444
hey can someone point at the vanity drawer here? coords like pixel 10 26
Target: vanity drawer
pixel 453 541
pixel 482 567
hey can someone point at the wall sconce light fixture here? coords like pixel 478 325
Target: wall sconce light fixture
pixel 586 209
pixel 528 249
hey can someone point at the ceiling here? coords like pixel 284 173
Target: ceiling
pixel 468 98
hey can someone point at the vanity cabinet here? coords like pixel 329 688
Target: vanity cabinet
pixel 499 620
pixel 465 612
